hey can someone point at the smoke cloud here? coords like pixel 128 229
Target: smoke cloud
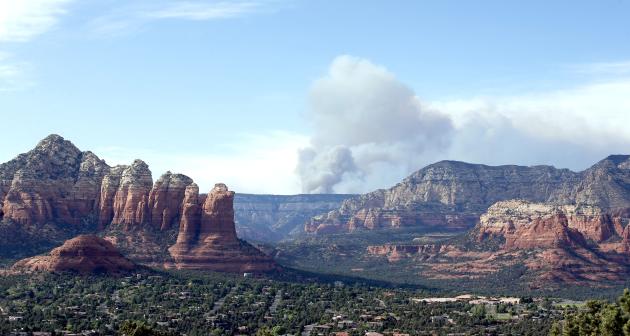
pixel 320 171
pixel 371 130
pixel 368 126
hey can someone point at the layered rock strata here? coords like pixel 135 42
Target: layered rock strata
pixel 56 182
pixel 537 225
pixel 165 200
pixel 207 235
pixel 53 182
pixel 452 195
pixel 559 243
pixel 55 185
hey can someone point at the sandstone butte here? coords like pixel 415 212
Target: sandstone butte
pixel 56 182
pixel 85 254
pixel 207 235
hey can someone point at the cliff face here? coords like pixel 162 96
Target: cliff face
pixel 56 185
pixel 131 199
pixel 271 218
pixel 562 226
pixel 83 254
pixel 606 184
pixel 563 243
pixel 207 236
pixel 531 225
pixel 165 200
pixel 54 181
pixel 452 194
pixel 573 243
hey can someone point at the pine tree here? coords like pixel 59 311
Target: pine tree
pixel 556 329
pixel 612 321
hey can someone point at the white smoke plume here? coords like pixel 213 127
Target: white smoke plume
pixel 320 171
pixel 371 130
pixel 368 127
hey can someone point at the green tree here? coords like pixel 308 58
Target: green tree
pixel 556 330
pixel 624 301
pixel 587 323
pixel 571 327
pixel 264 331
pixel 217 332
pixel 479 311
pixel 136 328
pixel 612 321
pixel 278 330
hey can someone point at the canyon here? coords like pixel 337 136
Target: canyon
pixel 272 218
pixel 562 226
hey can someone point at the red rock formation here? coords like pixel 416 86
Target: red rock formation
pixel 467 190
pixel 84 194
pixel 395 252
pixel 547 232
pixel 53 182
pixel 130 202
pixel 551 240
pixel 217 216
pixel 518 220
pixel 445 189
pixel 109 187
pixel 165 199
pixel 575 266
pixel 207 237
pixel 624 245
pixel 26 202
pixel 190 222
pixel 56 182
pixel 83 254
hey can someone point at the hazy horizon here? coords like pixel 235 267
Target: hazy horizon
pixel 286 97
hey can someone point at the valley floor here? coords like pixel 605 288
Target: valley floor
pixel 206 303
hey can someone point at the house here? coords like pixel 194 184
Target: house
pixel 374 324
pixel 346 324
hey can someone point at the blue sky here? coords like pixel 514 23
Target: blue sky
pixel 272 96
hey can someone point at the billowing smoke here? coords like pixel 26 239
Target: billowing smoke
pixel 368 128
pixel 371 130
pixel 320 171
